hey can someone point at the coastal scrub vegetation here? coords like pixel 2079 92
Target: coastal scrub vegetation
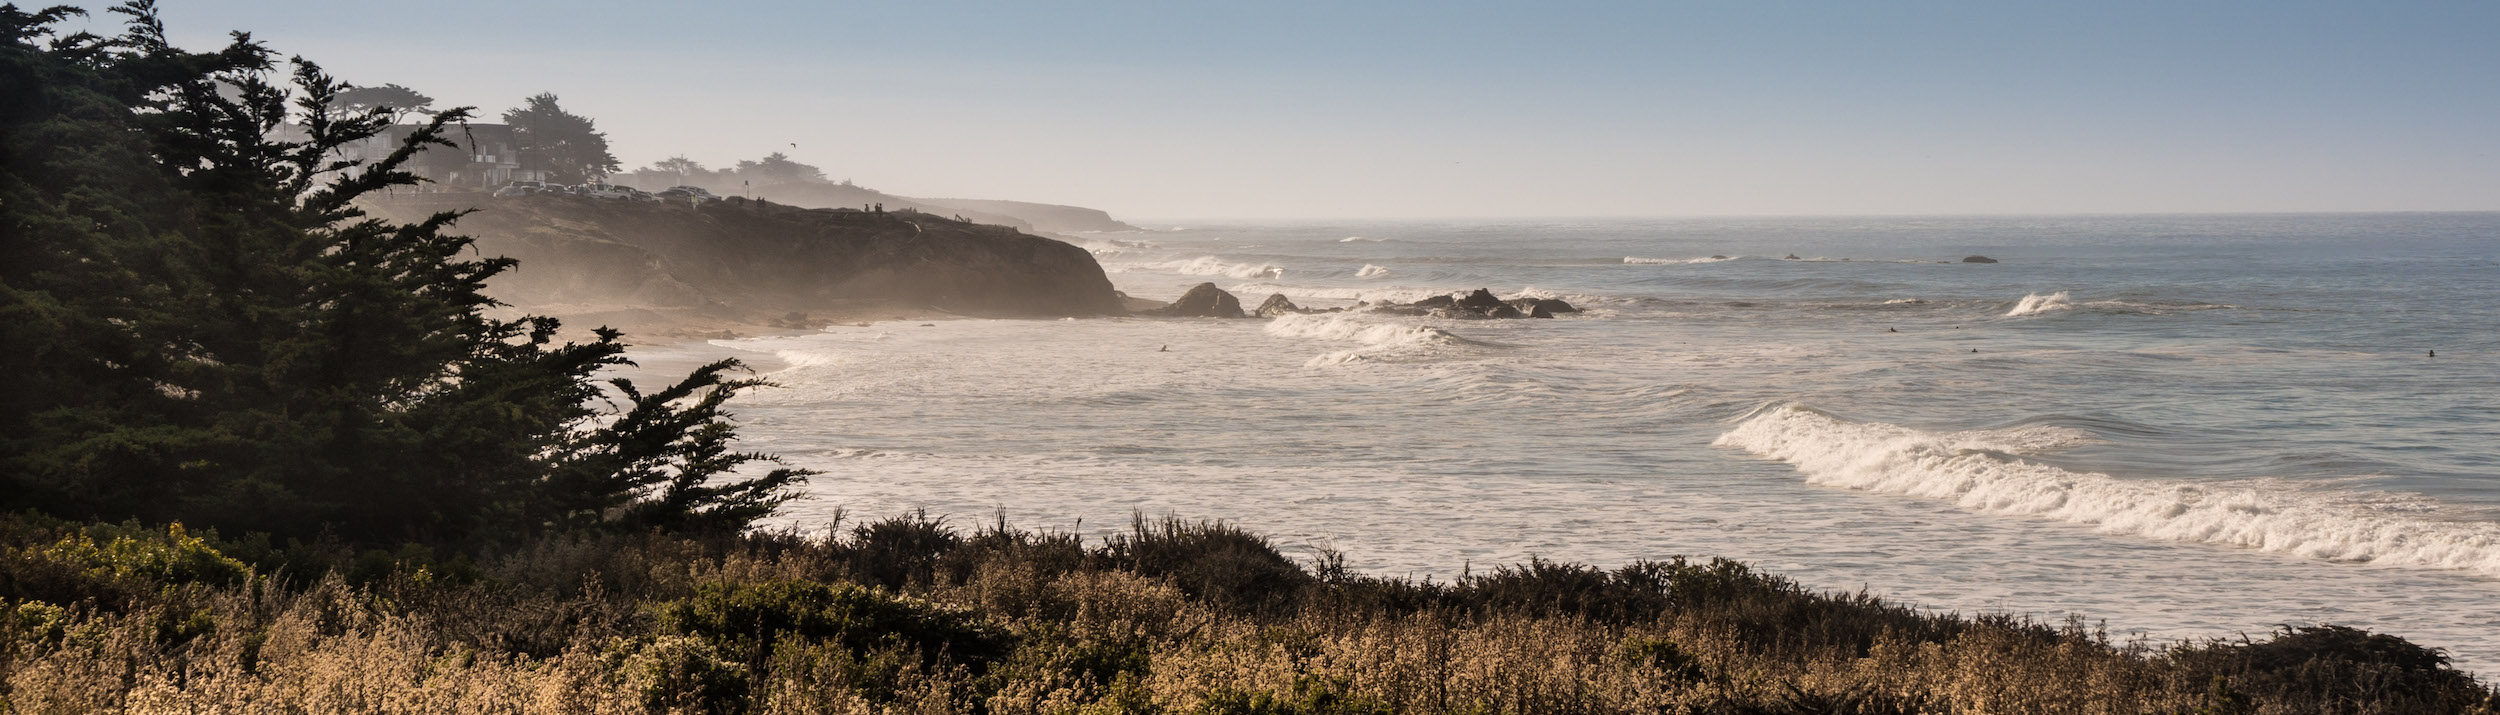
pixel 910 615
pixel 263 452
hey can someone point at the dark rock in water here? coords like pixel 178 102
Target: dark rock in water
pixel 1792 257
pixel 1718 258
pixel 1978 259
pixel 1479 304
pixel 1276 305
pixel 1204 301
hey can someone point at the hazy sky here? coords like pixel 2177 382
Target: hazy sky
pixel 1457 109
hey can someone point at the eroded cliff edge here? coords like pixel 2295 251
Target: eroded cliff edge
pixel 677 268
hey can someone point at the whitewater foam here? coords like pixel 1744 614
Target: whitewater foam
pixel 1213 266
pixel 2035 304
pixel 1980 470
pixel 1381 340
pixel 1637 260
pixel 1371 271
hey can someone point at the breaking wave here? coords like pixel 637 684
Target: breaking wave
pixel 2035 304
pixel 1380 340
pixel 1371 271
pixel 1637 260
pixel 1212 266
pixel 1981 470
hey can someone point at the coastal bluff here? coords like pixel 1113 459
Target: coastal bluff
pixel 738 262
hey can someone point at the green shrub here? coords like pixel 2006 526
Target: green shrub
pixel 685 674
pixel 1659 656
pixel 1312 695
pixel 34 621
pixel 901 551
pixel 1212 561
pixel 746 621
pixel 2329 663
pixel 176 558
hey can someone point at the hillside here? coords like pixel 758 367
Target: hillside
pixel 846 196
pixel 1023 215
pixel 670 266
pixel 1046 217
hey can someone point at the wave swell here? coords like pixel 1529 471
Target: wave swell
pixel 1981 470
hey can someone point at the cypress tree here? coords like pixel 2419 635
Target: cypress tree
pixel 200 324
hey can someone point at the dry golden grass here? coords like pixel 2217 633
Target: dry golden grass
pixel 1174 618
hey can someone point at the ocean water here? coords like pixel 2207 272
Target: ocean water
pixel 2181 427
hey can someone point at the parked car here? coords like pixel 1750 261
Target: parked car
pixel 607 192
pixel 697 191
pixel 512 191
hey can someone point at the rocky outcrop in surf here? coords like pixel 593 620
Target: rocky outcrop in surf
pixel 1203 301
pixel 740 259
pixel 1978 259
pixel 1479 304
pixel 1275 305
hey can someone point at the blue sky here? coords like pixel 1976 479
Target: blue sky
pixel 1463 109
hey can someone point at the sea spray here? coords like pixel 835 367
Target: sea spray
pixel 1372 271
pixel 1981 470
pixel 2035 304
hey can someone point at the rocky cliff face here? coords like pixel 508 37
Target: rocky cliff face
pixel 752 259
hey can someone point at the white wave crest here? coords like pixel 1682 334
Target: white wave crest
pixel 1381 340
pixel 1360 239
pixel 2035 304
pixel 1371 271
pixel 1979 470
pixel 802 359
pixel 1637 260
pixel 1213 266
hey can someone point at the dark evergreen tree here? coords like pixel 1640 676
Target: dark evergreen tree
pixel 200 325
pixel 568 146
pixel 397 100
pixel 779 168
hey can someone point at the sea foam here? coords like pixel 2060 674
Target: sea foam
pixel 2035 304
pixel 1982 470
pixel 1380 340
pixel 1637 260
pixel 1371 271
pixel 1213 266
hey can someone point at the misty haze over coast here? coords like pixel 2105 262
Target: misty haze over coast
pixel 1302 357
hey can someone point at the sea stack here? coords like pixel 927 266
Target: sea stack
pixel 1205 301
